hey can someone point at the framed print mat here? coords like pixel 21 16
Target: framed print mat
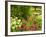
pixel 24 18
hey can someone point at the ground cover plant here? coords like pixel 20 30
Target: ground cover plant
pixel 26 18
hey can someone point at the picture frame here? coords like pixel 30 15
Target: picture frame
pixel 8 6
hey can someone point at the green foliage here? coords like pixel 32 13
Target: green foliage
pixel 15 22
pixel 39 19
pixel 20 15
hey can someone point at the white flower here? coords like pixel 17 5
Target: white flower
pixel 19 20
pixel 16 17
pixel 19 25
pixel 13 27
pixel 16 25
pixel 14 22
